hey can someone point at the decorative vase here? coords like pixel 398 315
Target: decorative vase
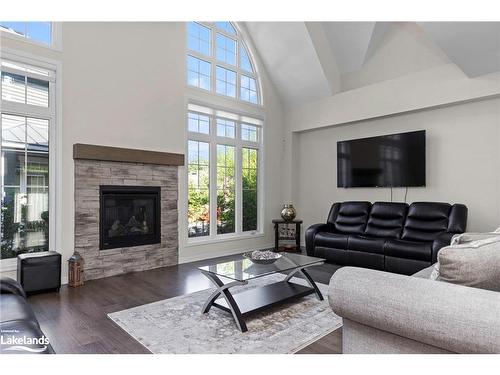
pixel 288 212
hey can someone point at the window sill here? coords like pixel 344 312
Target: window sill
pixel 222 238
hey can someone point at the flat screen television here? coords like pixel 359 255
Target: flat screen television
pixel 395 160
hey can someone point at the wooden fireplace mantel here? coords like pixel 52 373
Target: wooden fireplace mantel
pixel 130 155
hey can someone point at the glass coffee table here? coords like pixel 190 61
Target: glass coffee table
pixel 238 271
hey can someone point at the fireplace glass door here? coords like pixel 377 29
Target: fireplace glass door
pixel 129 216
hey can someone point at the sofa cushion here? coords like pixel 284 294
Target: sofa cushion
pixel 409 249
pixel 333 240
pixel 365 259
pixel 366 244
pixel 386 219
pixel 475 264
pixel 351 217
pixel 15 307
pixel 336 256
pixel 425 221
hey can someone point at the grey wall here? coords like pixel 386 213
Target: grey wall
pixel 463 162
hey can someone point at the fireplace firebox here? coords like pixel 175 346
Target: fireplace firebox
pixel 129 216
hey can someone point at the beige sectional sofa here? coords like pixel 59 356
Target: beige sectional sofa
pixel 450 307
pixel 390 313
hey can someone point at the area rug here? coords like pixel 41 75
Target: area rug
pixel 176 325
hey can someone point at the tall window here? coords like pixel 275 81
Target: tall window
pixel 27 110
pixel 223 172
pixel 40 32
pixel 224 146
pixel 218 61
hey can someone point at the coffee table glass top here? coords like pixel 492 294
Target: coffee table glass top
pixel 242 269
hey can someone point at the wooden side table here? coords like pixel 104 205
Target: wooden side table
pixel 296 234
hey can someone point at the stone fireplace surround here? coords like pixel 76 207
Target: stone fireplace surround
pixel 100 165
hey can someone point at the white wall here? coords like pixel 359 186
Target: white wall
pixel 123 85
pixel 463 143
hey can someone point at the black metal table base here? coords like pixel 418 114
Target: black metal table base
pixel 257 299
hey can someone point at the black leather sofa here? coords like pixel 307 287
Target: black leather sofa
pixel 393 237
pixel 18 321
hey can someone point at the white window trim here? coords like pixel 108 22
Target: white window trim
pixel 212 59
pixel 221 238
pixel 213 140
pixel 55 144
pixel 56 37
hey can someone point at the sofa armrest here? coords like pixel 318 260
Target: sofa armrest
pixel 442 240
pixel 11 286
pixel 453 317
pixel 311 233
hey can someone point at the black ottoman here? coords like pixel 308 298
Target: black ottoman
pixel 38 272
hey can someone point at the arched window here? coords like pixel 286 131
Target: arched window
pixel 224 145
pixel 218 61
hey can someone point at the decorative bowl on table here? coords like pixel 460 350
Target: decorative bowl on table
pixel 262 256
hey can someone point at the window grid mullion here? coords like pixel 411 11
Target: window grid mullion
pixel 1 151
pixel 24 190
pixel 238 187
pixel 25 90
pixel 212 61
pixel 224 32
pixel 238 64
pixel 213 180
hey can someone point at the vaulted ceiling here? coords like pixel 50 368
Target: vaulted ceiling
pixel 473 46
pixel 312 60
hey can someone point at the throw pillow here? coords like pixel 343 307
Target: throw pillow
pixel 475 264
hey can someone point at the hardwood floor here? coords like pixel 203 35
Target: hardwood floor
pixel 75 319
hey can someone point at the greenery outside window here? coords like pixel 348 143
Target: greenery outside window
pixel 226 189
pixel 199 188
pixel 250 170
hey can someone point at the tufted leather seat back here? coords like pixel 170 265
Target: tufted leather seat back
pixel 425 220
pixel 349 217
pixel 386 219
